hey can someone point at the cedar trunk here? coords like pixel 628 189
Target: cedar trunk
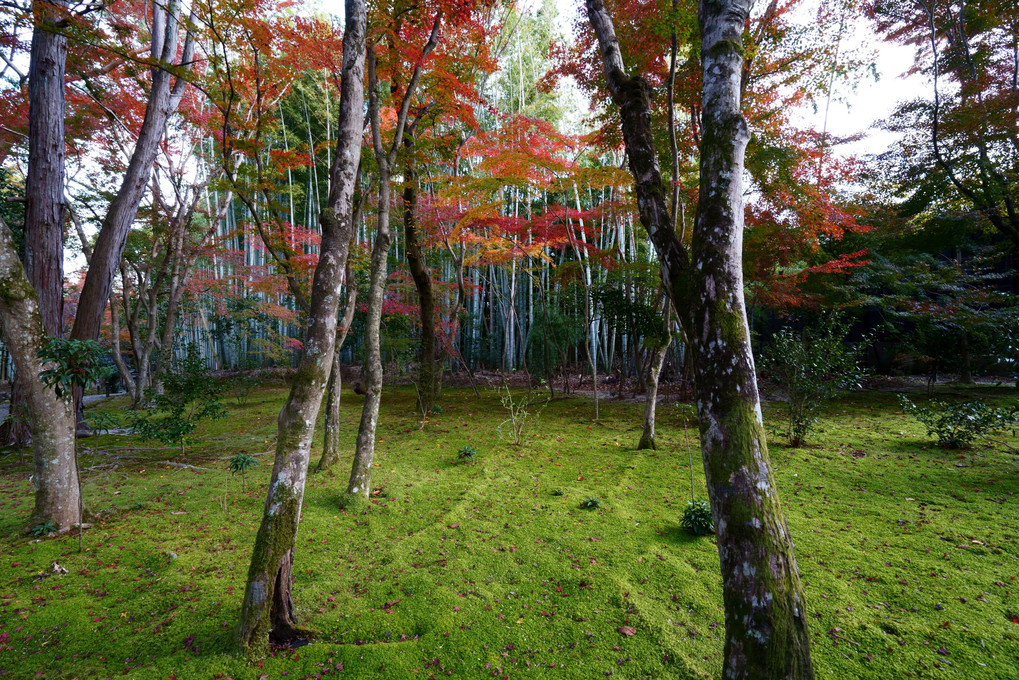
pixel 44 190
pixel 57 494
pixel 267 611
pixel 765 617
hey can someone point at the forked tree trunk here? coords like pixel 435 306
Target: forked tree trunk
pixel 268 611
pixel 331 439
pixel 164 95
pixel 360 471
pixel 427 374
pixel 765 618
pixel 57 494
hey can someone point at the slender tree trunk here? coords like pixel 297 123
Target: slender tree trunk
pixel 331 442
pixel 427 375
pixel 268 611
pixel 57 493
pixel 360 472
pixel 647 437
pixel 765 618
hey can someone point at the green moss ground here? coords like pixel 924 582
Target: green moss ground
pixel 910 553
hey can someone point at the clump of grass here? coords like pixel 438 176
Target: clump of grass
pixel 590 503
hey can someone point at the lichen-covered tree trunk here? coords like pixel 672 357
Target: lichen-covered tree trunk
pixel 765 617
pixel 267 610
pixel 57 494
pixel 427 373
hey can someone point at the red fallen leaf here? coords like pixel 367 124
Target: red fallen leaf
pixel 628 631
pixel 1015 619
pixel 388 605
pixel 454 525
pixel 580 479
pixel 594 538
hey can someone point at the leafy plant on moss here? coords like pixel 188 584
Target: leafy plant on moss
pixel 71 363
pixel 958 425
pixel 190 396
pixel 811 370
pixel 697 518
pixel 240 463
pixel 466 454
pixel 47 527
pixel 557 492
pixel 590 503
pixel 241 386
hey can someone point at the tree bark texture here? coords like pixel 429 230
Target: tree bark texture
pixel 267 611
pixel 427 375
pixel 765 617
pixel 57 494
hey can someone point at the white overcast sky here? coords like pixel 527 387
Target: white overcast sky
pixel 856 106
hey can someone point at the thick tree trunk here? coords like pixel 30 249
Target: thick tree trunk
pixel 57 494
pixel 267 610
pixel 427 375
pixel 44 191
pixel 765 617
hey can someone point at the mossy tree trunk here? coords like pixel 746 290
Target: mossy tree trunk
pixel 267 611
pixel 765 617
pixel 51 418
pixel 427 374
pixel 360 472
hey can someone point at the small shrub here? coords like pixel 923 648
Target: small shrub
pixel 191 395
pixel 241 463
pixel 241 386
pixel 103 421
pixel 697 518
pixel 47 527
pixel 957 425
pixel 590 503
pixel 811 370
pixel 522 411
pixel 466 454
pixel 557 492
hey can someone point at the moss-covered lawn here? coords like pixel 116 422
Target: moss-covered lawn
pixel 910 553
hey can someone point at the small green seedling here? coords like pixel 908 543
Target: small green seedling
pixel 47 527
pixel 697 518
pixel 466 454
pixel 242 462
pixel 557 492
pixel 590 503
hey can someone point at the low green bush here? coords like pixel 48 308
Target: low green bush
pixel 957 425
